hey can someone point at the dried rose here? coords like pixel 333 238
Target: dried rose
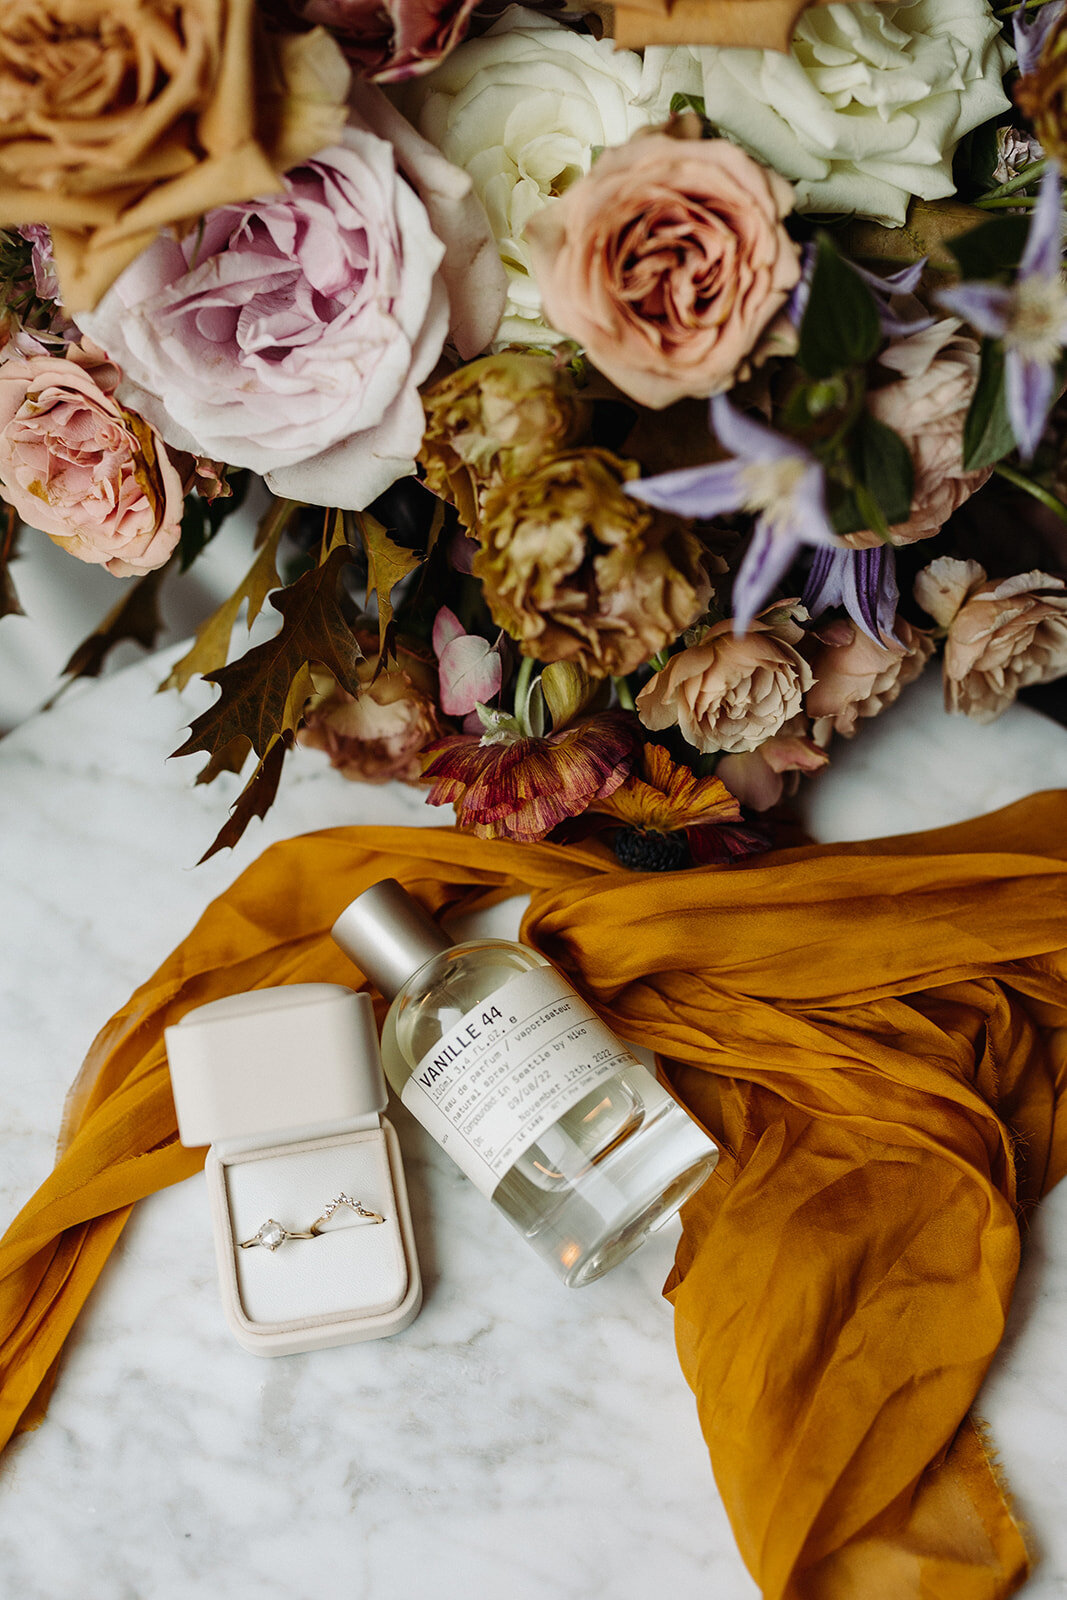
pixel 666 263
pixel 390 40
pixel 731 692
pixel 1003 635
pixel 854 677
pixel 510 787
pixel 576 570
pixel 927 406
pixel 85 471
pixel 497 418
pixel 380 734
pixel 118 117
pixel 761 777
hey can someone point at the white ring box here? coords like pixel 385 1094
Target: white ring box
pixel 286 1087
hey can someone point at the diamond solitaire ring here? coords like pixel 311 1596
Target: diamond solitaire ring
pixel 342 1199
pixel 272 1234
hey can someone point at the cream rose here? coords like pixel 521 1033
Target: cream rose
pixel 868 106
pixel 523 110
pixel 666 263
pixel 731 692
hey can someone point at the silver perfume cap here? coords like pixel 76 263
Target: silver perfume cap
pixel 388 935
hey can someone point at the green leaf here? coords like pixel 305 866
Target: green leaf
pixel 883 467
pixel 987 433
pixel 688 102
pixel 992 250
pixel 840 327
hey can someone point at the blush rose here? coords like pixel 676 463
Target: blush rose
pixel 83 470
pixel 667 262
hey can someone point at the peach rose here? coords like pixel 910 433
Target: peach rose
pixel 731 693
pixel 667 262
pixel 75 464
pixel 1002 636
pixel 761 777
pixel 854 677
pixel 927 406
pixel 379 735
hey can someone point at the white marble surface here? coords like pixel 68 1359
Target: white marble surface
pixel 519 1439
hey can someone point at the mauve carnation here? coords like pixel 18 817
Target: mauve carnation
pixel 290 335
pixel 927 406
pixel 390 40
pixel 666 263
pixel 79 467
pixel 854 677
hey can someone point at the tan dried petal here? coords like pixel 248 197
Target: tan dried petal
pixel 576 570
pixel 943 586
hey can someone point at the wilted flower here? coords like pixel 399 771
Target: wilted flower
pixel 1041 92
pixel 669 817
pixel 508 786
pixel 771 475
pixel 1029 317
pixel 731 692
pixel 379 734
pixel 390 40
pixel 134 117
pixel 81 468
pixel 1016 149
pixel 761 777
pixel 856 677
pixel 666 263
pixel 497 418
pixel 1002 636
pixel 575 570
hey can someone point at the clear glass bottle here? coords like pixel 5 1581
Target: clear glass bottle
pixel 518 1079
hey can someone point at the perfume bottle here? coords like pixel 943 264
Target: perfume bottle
pixel 514 1074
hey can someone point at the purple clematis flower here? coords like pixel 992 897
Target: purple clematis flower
pixel 904 281
pixel 1028 316
pixel 864 582
pixel 770 475
pixel 1030 34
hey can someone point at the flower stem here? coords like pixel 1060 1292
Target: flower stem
pixel 1022 5
pixel 523 686
pixel 622 690
pixel 1051 501
pixel 1022 180
pixel 1006 202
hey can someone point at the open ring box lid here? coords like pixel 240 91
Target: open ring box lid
pixel 286 1087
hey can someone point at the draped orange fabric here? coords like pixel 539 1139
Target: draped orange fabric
pixel 876 1035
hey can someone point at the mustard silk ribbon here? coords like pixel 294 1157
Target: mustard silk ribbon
pixel 874 1033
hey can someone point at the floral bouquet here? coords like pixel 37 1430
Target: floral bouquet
pixel 645 393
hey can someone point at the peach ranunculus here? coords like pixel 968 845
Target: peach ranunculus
pixel 854 677
pixel 1003 635
pixel 927 406
pixel 119 117
pixel 728 692
pixel 380 734
pixel 76 465
pixel 761 777
pixel 666 263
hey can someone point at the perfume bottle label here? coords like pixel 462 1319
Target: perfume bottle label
pixel 508 1070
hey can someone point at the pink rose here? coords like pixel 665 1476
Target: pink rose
pixel 927 405
pixel 761 777
pixel 83 470
pixel 290 334
pixel 854 677
pixel 390 40
pixel 667 262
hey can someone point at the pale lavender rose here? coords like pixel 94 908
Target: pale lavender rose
pixel 45 277
pixel 290 334
pixel 390 40
pixel 80 468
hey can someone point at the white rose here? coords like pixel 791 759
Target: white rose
pixel 868 106
pixel 524 110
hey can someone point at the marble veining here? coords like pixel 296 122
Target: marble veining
pixel 519 1438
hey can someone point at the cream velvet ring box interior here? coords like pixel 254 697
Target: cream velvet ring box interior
pixel 308 1201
